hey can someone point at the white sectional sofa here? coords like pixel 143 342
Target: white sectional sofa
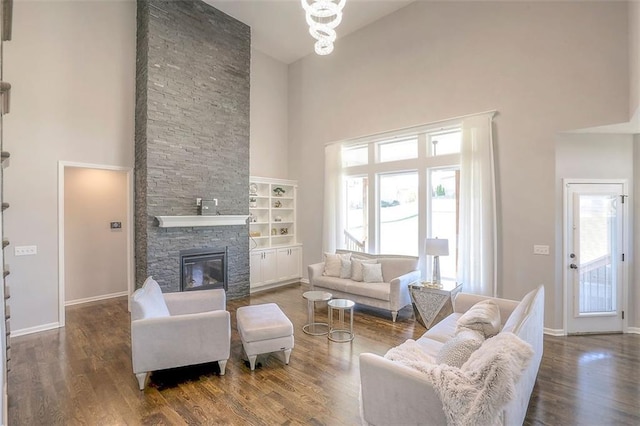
pixel 392 293
pixel 396 393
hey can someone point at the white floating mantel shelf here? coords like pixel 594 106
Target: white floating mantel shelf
pixel 191 221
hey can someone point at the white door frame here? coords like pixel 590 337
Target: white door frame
pixel 624 282
pixel 130 239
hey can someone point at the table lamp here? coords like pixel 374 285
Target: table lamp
pixel 436 247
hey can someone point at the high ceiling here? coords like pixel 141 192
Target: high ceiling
pixel 278 28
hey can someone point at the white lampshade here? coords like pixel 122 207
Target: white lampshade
pixel 436 247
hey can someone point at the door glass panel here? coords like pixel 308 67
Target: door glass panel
pixel 356 217
pixel 398 213
pixel 596 289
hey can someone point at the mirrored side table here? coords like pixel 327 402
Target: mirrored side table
pixel 432 304
pixel 312 327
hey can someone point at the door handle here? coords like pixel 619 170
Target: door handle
pixel 573 266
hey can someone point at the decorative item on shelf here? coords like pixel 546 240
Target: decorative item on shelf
pixel 253 202
pixel 253 189
pixel 436 247
pixel 274 231
pixel 277 219
pixel 252 218
pixel 278 191
pixel 255 233
pixel 284 231
pixel 277 204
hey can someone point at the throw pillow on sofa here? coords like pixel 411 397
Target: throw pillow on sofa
pixel 457 350
pixel 372 273
pixel 345 268
pixel 356 268
pixel 484 317
pixel 333 263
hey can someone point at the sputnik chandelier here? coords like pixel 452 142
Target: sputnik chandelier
pixel 323 16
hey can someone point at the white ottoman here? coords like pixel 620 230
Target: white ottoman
pixel 264 329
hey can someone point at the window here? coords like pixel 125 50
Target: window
pixel 398 213
pixel 397 150
pixel 356 220
pixel 443 215
pixel 447 142
pixel 416 192
pixel 355 156
pixel 408 196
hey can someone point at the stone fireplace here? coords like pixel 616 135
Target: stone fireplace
pixel 192 136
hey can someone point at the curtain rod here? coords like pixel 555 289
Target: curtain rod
pixel 406 130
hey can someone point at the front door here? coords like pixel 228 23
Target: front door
pixel 594 256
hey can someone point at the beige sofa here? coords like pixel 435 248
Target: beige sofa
pixel 392 294
pixel 396 394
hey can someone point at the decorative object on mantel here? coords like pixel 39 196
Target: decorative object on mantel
pixel 277 204
pixel 253 189
pixel 278 192
pixel 284 231
pixel 323 16
pixel 274 231
pixel 253 202
pixel 277 219
pixel 436 247
pixel 197 221
pixel 254 234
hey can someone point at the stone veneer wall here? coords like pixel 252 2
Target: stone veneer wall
pixel 192 135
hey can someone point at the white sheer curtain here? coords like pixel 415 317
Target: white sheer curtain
pixel 477 251
pixel 332 225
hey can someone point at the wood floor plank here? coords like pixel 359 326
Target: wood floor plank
pixel 82 375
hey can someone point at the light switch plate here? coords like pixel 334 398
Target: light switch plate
pixel 541 249
pixel 25 250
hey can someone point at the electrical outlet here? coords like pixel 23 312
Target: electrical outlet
pixel 25 250
pixel 540 249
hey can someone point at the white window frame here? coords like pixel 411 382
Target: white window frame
pixel 422 164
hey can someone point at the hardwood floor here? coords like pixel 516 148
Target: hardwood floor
pixel 81 374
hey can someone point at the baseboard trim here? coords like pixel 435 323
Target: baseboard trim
pixel 96 298
pixel 554 332
pixel 36 329
pixel 304 280
pixel 633 330
pixel 274 285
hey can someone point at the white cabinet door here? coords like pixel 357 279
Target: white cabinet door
pixel 263 267
pixel 269 267
pixel 289 263
pixel 255 267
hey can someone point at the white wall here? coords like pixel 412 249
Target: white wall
pixel 545 66
pixel 269 117
pixel 95 256
pixel 72 70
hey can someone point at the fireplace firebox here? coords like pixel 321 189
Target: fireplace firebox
pixel 203 269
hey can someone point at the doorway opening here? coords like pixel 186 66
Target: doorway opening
pixel 95 238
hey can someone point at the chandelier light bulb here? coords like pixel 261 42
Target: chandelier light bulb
pixel 323 16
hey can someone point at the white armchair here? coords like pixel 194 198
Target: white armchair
pixel 177 329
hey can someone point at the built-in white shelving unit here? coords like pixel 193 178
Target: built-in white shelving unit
pixel 276 255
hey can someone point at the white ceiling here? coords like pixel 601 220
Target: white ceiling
pixel 279 29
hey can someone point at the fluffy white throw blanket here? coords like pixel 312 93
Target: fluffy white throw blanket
pixel 475 393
